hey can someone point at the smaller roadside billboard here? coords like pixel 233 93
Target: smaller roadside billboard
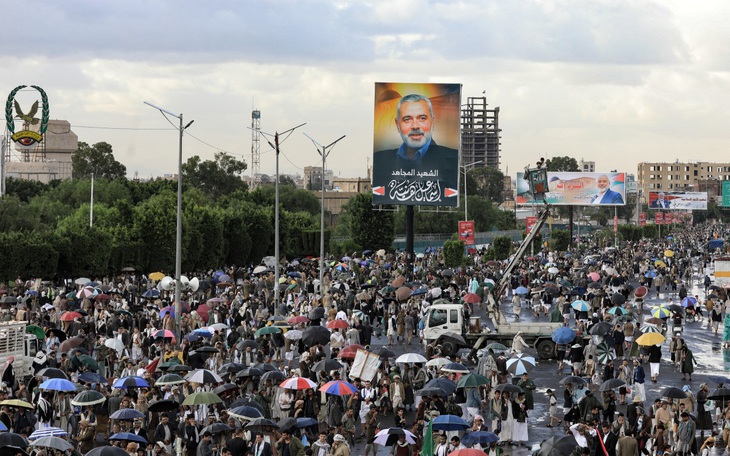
pixel 642 219
pixel 577 189
pixel 725 193
pixel 659 218
pixel 466 231
pixel 659 199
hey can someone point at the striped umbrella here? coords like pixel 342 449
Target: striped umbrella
pixel 47 432
pixel 297 383
pixel 661 312
pixel 648 327
pixel 604 352
pixel 520 364
pixel 245 412
pixel 203 376
pixel 164 333
pixel 581 306
pixel 339 388
pixel 90 397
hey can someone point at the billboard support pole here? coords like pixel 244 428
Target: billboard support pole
pixel 570 224
pixel 615 230
pixel 409 241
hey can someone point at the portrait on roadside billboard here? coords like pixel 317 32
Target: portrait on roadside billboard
pixel 416 144
pixel 659 199
pixel 577 189
pixel 466 231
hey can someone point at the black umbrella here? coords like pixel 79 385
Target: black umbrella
pixel 385 353
pixel 447 272
pixel 107 451
pixel 595 285
pixel 600 329
pixel 674 393
pixel 314 335
pixel 288 424
pixel 258 425
pixel 224 388
pixel 510 388
pixel 58 333
pixel 611 384
pixel 558 446
pixel 52 372
pixel 265 367
pixel 327 365
pixel 250 372
pixel 206 349
pixel 274 376
pixel 456 337
pixel 179 368
pixel 216 428
pixel 442 383
pixel 12 450
pixel 617 299
pixel 231 368
pixel 676 308
pixel 316 314
pixel 572 379
pixel 720 393
pixel 247 402
pixel 13 439
pixel 164 405
pixel 248 343
pixel 431 392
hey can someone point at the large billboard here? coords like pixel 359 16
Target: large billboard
pixel 416 144
pixel 677 200
pixel 725 194
pixel 577 189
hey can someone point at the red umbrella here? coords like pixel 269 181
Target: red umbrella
pixel 337 324
pixel 203 310
pixel 471 298
pixel 164 333
pixel 640 292
pixel 297 383
pixel 102 297
pixel 347 354
pixel 70 316
pixel 468 452
pixel 298 319
pixel 352 348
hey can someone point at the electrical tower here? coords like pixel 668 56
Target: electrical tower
pixel 255 148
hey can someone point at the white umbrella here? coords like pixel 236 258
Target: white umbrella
pixel 411 358
pixel 438 362
pixel 82 281
pixel 388 436
pixel 203 376
pixel 260 269
pixel 520 364
pixel 114 344
pixel 435 292
pixel 218 327
pixel 293 334
pixel 53 442
pixel 553 270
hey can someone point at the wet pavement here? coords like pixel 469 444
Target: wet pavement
pixel 711 360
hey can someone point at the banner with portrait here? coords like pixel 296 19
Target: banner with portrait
pixel 466 231
pixel 416 144
pixel 576 189
pixel 659 199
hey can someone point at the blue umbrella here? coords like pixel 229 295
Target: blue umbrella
pixel 128 436
pixel 521 291
pixel 58 384
pixel 580 291
pixel 367 252
pixel 92 377
pixel 450 423
pixel 45 432
pixel 131 382
pixel 202 333
pixel 650 274
pixel 151 293
pixel 245 412
pixel 581 306
pixel 126 414
pixel 387 266
pixel 442 383
pixel 306 422
pixel 689 301
pixel 480 437
pixel 419 291
pixel 563 335
pixel 295 274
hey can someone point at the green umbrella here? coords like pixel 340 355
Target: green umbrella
pixel 472 381
pixel 89 362
pixel 36 331
pixel 267 330
pixel 71 295
pixel 202 397
pixel 387 289
pixel 496 346
pixel 292 286
pixel 169 363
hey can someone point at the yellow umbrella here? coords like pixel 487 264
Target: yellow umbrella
pixel 668 253
pixel 156 276
pixel 660 264
pixel 17 403
pixel 650 338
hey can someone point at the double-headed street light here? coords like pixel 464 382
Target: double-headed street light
pixel 178 234
pixel 323 151
pixel 465 169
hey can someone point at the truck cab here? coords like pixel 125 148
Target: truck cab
pixel 446 324
pixel 14 341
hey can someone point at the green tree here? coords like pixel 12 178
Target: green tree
pixel 563 163
pixel 216 177
pixel 370 229
pixel 560 240
pixel 489 183
pixel 453 253
pixel 502 246
pixel 97 159
pixel 24 189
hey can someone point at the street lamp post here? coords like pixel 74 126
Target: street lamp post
pixel 324 153
pixel 178 224
pixel 277 271
pixel 465 169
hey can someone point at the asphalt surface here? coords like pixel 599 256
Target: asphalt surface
pixel 711 360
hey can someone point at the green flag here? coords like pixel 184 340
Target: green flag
pixel 427 448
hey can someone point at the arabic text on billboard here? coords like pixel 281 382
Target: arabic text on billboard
pixel 677 200
pixel 577 189
pixel 416 144
pixel 726 193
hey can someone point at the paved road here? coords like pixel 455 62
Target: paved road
pixel 705 345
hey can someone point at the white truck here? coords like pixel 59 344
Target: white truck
pixel 722 272
pixel 15 342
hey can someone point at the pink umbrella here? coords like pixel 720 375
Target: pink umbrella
pixel 203 310
pixel 164 333
pixel 594 276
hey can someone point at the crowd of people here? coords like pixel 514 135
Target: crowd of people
pixel 244 375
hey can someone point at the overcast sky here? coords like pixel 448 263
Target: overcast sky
pixel 614 81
